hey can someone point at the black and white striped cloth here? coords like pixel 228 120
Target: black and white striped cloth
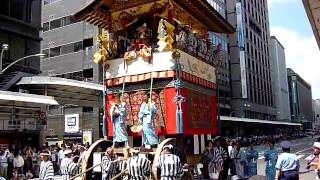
pixel 121 166
pixel 108 167
pixel 46 170
pixel 224 153
pixel 68 168
pixel 215 160
pixel 170 167
pixel 138 167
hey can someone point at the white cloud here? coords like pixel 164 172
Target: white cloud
pixel 302 55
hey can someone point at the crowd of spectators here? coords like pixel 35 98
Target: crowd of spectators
pixel 24 163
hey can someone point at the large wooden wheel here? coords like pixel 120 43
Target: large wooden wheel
pixel 88 161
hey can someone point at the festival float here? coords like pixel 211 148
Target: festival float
pixel 159 48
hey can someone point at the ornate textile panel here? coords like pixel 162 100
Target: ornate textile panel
pixel 133 102
pixel 199 111
pixel 200 115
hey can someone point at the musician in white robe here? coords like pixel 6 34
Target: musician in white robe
pixel 46 167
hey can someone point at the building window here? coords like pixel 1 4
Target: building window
pixel 68 48
pixel 56 51
pixel 45 26
pixel 4 8
pixel 18 9
pixel 88 73
pixel 77 46
pixel 87 43
pixel 46 2
pixel 64 21
pixel 55 24
pixel 86 109
pixel 46 52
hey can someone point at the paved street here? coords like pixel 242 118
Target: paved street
pixel 301 147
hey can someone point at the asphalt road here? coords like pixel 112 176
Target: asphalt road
pixel 301 147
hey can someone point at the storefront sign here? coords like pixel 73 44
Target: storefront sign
pixel 71 123
pixel 87 136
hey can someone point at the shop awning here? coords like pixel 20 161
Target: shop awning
pixel 17 97
pixel 65 91
pixel 16 105
pixel 246 120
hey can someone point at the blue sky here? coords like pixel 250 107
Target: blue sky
pixel 289 14
pixel 289 23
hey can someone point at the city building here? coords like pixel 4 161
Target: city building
pixel 313 12
pixel 279 80
pixel 223 77
pixel 20 24
pixel 19 38
pixel 250 64
pixel 300 96
pixel 316 114
pixel 69 47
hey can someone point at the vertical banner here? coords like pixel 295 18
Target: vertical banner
pixel 87 137
pixel 71 123
pixel 240 36
pixel 240 32
pixel 243 75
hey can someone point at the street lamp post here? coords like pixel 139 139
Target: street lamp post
pixel 18 60
pixel 6 47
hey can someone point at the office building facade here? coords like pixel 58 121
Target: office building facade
pixel 223 76
pixel 250 63
pixel 279 80
pixel 20 23
pixel 300 96
pixel 316 114
pixel 69 48
pixel 19 29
